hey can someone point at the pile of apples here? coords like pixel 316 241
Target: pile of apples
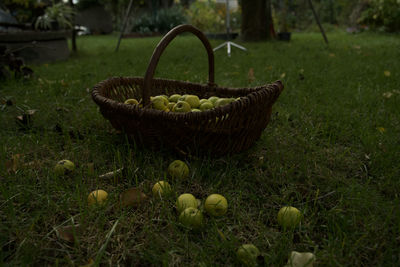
pixel 190 210
pixel 183 103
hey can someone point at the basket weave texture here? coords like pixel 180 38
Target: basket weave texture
pixel 227 129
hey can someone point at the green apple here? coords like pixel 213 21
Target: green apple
pixel 171 105
pixel 185 201
pixel 161 188
pixel 178 169
pixel 182 98
pixel 174 98
pixel 182 106
pixel 196 110
pixel 193 101
pixel 64 167
pixel 97 197
pixel 213 99
pixel 289 217
pixel 247 254
pixel 131 101
pixel 206 105
pixel 216 205
pixel 222 102
pixel 203 100
pixel 192 218
pixel 159 102
pixel 300 259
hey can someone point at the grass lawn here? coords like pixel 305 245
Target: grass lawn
pixel 332 149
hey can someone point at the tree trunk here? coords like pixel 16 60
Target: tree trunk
pixel 256 20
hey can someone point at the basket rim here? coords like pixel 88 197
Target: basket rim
pixel 134 110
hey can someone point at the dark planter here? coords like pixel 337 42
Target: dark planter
pixel 284 36
pixel 37 46
pixel 222 36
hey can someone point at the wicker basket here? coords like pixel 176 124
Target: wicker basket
pixel 223 130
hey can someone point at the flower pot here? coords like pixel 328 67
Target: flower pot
pixel 284 36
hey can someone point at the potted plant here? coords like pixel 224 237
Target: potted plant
pixel 56 17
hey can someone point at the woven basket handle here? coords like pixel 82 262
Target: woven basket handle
pixel 159 50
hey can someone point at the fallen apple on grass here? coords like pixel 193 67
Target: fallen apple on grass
pixel 97 197
pixel 216 205
pixel 185 201
pixel 289 217
pixel 247 254
pixel 161 188
pixel 132 197
pixel 178 169
pixel 192 218
pixel 301 259
pixel 63 167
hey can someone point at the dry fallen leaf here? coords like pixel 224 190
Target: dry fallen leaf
pixel 14 163
pixel 332 55
pixel 68 233
pixel 387 94
pixel 283 75
pixel 132 197
pixel 89 264
pixel 381 129
pixel 386 73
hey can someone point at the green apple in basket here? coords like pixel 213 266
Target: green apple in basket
pixel 182 106
pixel 213 99
pixel 159 102
pixel 183 97
pixel 131 101
pixel 222 102
pixel 174 98
pixel 193 101
pixel 171 106
pixel 196 110
pixel 206 105
pixel 203 100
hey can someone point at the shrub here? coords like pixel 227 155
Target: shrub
pixel 162 22
pixel 210 17
pixel 382 14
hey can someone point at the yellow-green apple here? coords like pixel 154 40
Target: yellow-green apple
pixel 97 197
pixel 131 101
pixel 182 106
pixel 174 98
pixel 178 169
pixel 185 201
pixel 159 102
pixel 247 254
pixel 64 166
pixel 206 105
pixel 161 188
pixel 222 102
pixel 196 110
pixel 216 205
pixel 203 100
pixel 193 101
pixel 192 218
pixel 289 217
pixel 213 99
pixel 183 97
pixel 171 105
